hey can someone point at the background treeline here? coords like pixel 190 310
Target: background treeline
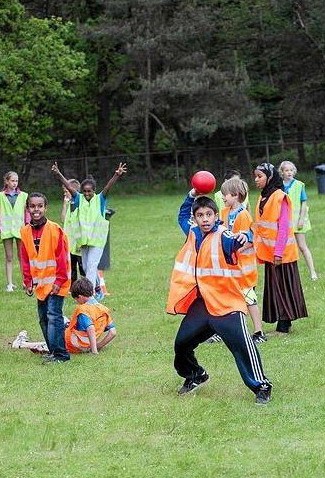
pixel 168 85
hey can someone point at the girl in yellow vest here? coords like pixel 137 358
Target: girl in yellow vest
pixel 276 247
pixel 90 228
pixel 204 287
pixel 89 329
pixel 12 217
pixel 297 193
pixel 237 219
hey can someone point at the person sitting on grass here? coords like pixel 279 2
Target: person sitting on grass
pixel 90 328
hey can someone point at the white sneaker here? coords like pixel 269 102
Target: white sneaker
pixel 40 349
pixel 21 337
pixel 10 287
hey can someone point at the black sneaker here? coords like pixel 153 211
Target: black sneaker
pixel 192 384
pixel 52 359
pixel 263 395
pixel 259 337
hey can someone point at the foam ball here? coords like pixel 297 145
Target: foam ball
pixel 203 182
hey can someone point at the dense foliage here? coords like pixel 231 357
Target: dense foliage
pixel 207 79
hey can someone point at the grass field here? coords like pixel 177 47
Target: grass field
pixel 118 414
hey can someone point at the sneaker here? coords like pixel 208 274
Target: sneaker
pixel 190 385
pixel 263 395
pixel 259 337
pixel 10 287
pixel 40 349
pixel 99 296
pixel 314 276
pixel 214 338
pixel 21 337
pixel 47 360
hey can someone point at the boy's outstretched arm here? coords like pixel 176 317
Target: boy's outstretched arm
pixel 122 169
pixel 62 179
pixel 92 339
pixel 185 212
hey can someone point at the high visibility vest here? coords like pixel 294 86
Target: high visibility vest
pixel 12 217
pixel 266 230
pixel 89 227
pixel 77 341
pixel 205 271
pixel 43 264
pixel 294 194
pixel 246 254
pixel 70 226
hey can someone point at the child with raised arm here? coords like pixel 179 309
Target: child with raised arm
pixel 90 328
pixel 67 216
pixel 301 223
pixel 45 262
pixel 237 219
pixel 13 216
pixel 90 228
pixel 204 287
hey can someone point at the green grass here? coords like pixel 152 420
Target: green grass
pixel 118 414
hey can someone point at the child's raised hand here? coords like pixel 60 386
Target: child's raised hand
pixel 122 169
pixel 55 168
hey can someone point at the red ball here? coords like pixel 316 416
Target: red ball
pixel 203 182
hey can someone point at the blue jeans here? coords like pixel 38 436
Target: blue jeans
pixel 52 325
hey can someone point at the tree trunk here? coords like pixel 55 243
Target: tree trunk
pixel 300 146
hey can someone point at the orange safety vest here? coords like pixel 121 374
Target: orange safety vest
pixel 43 263
pixel 246 254
pixel 77 341
pixel 266 230
pixel 207 272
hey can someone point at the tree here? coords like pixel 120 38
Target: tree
pixel 37 68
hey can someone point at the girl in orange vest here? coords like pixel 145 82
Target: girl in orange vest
pixel 45 262
pixel 237 219
pixel 275 246
pixel 204 287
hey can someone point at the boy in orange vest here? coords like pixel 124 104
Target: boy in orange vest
pixel 90 328
pixel 204 287
pixel 45 262
pixel 236 218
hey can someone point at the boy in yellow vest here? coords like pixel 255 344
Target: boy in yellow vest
pixel 204 287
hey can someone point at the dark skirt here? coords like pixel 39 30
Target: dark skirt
pixel 283 298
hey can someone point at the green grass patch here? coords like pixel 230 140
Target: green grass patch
pixel 118 414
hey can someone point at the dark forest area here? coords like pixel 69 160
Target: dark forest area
pixel 169 86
